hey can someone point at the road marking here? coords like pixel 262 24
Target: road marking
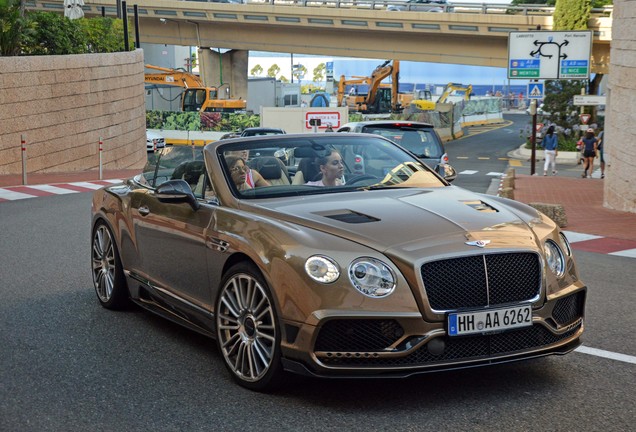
pixel 515 163
pixel 629 253
pixel 469 172
pixel 606 354
pixel 483 158
pixel 11 195
pixel 461 157
pixel 503 159
pixel 574 237
pixel 494 174
pixel 53 189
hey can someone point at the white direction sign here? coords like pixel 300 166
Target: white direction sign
pixel 549 55
pixel 589 100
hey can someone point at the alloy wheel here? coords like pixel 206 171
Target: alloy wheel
pixel 246 327
pixel 103 263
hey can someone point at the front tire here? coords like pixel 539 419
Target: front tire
pixel 247 329
pixel 108 274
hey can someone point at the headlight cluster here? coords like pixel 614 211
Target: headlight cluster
pixel 554 258
pixel 370 276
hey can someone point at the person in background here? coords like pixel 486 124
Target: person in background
pixel 550 145
pixel 599 147
pixel 332 169
pixel 589 152
pixel 329 128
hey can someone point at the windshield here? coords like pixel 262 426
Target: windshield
pixel 423 142
pixel 316 164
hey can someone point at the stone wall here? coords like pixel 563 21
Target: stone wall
pixel 620 125
pixel 64 104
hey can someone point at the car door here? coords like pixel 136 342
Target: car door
pixel 171 238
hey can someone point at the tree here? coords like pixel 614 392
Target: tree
pixel 273 70
pixel 558 101
pixel 256 70
pixel 319 72
pixel 15 27
pixel 571 14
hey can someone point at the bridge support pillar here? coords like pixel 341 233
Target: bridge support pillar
pixel 227 71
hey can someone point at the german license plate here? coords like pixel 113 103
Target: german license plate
pixel 489 320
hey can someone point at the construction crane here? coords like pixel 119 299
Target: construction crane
pixel 196 96
pixel 380 98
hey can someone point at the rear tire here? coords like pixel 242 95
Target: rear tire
pixel 108 274
pixel 248 334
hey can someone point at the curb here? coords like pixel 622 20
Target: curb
pixel 564 157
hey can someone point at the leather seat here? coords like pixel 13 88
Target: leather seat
pixel 271 169
pixel 307 171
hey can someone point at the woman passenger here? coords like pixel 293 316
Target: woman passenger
pixel 238 171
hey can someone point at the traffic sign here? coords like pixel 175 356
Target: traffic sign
pixel 539 127
pixel 549 55
pixel 326 118
pixel 589 100
pixel 585 118
pixel 535 90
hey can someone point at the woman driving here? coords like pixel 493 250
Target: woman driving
pixel 332 169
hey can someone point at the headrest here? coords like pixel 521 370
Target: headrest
pixel 269 167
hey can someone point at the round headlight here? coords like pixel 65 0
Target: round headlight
pixel 372 277
pixel 554 258
pixel 322 269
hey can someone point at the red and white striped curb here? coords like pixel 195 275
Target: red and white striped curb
pixel 600 244
pixel 13 193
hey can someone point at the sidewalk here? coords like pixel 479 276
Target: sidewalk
pixel 582 198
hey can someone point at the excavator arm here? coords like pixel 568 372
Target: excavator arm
pixel 172 77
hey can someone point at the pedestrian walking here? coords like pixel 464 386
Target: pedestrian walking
pixel 589 152
pixel 599 147
pixel 550 149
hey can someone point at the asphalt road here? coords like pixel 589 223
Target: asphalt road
pixel 67 364
pixel 481 156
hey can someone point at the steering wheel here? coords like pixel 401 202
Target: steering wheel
pixel 360 177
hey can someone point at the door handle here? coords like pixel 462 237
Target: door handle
pixel 144 210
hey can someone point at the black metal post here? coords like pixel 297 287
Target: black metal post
pixel 125 19
pixel 534 144
pixel 136 12
pixel 118 9
pixel 103 11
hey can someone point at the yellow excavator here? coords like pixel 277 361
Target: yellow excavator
pixel 196 96
pixel 427 104
pixel 380 98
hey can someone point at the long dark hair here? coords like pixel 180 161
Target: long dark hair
pixel 550 130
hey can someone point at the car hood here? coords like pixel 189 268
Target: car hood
pixel 409 220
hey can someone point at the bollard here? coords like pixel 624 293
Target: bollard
pixel 101 149
pixel 24 168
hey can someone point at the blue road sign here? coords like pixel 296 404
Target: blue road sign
pixel 535 90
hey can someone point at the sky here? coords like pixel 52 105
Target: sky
pixel 413 72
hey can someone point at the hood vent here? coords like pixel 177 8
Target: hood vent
pixel 481 206
pixel 349 216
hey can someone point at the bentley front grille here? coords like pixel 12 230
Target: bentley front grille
pixel 482 280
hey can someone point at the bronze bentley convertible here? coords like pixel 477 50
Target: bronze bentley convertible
pixel 372 265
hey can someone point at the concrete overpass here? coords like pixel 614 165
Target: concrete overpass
pixel 470 35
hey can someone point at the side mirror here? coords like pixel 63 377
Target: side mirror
pixel 447 172
pixel 177 191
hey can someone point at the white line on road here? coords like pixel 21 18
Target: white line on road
pixel 606 354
